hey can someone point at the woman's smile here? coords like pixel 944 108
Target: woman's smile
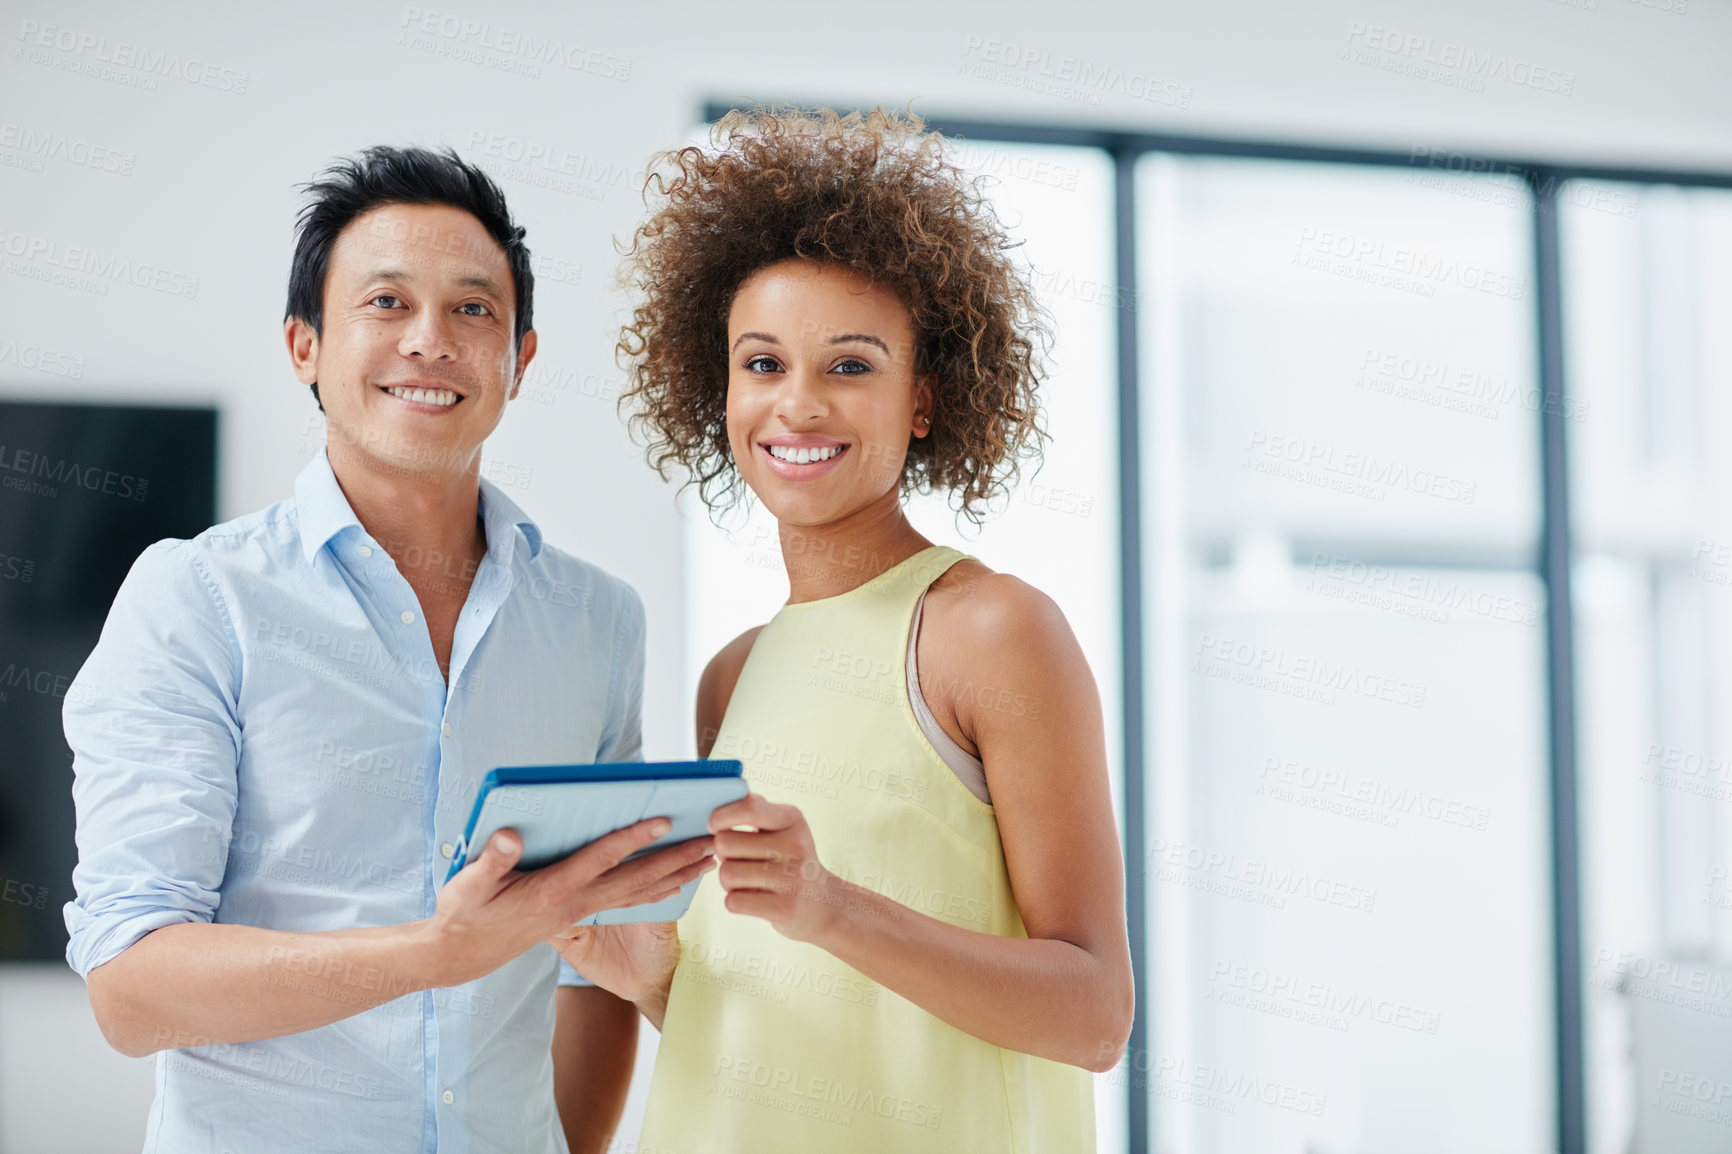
pixel 804 457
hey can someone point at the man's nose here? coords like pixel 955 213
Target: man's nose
pixel 430 334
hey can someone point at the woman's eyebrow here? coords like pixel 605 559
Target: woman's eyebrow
pixel 743 337
pixel 866 337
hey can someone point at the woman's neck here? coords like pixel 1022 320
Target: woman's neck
pixel 830 559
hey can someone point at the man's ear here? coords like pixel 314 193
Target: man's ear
pixel 924 403
pixel 525 353
pixel 303 342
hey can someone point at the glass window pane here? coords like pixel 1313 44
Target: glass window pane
pixel 1347 869
pixel 1647 290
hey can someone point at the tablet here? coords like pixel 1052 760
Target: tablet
pixel 559 809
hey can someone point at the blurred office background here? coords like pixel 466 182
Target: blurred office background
pixel 1386 492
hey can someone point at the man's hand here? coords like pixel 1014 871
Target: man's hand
pixel 491 912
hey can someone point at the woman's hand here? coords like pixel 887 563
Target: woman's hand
pixel 772 871
pixel 634 961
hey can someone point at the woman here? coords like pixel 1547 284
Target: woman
pixel 916 938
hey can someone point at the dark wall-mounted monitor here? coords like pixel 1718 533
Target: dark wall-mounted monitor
pixel 83 490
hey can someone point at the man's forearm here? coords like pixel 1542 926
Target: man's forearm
pixel 200 983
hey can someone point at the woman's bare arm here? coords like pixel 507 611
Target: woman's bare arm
pixel 594 1053
pixel 1020 691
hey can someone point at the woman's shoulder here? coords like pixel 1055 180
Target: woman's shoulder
pixel 993 652
pixel 731 658
pixel 716 685
pixel 973 599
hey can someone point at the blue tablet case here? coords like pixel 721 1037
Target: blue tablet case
pixel 559 809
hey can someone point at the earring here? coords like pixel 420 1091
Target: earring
pixel 927 420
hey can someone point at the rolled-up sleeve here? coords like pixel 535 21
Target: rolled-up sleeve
pixel 151 719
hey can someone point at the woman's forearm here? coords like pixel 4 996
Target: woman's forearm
pixel 594 1047
pixel 1054 999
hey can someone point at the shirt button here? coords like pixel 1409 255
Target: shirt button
pixel 447 850
pixel 447 728
pixel 365 550
pixel 408 617
pixel 448 1097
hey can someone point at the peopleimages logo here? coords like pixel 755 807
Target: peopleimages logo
pixel 1428 58
pixel 1271 667
pixel 1007 163
pixel 37 358
pixel 90 49
pixel 1377 256
pixel 1036 69
pixel 42 145
pixel 91 262
pixel 61 471
pixel 1289 996
pixel 1305 784
pixel 549 157
pixel 1214 1087
pixel 515 42
pixel 1421 595
pixel 45 682
pixel 796 1091
pixel 1475 392
pixel 1686 985
pixel 23 893
pixel 1259 881
pixel 1508 184
pixel 1354 473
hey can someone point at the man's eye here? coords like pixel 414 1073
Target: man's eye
pixel 479 309
pixel 385 301
pixel 762 364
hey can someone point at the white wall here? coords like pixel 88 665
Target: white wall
pixel 208 194
pixel 62 1090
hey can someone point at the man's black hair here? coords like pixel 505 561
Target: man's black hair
pixel 383 175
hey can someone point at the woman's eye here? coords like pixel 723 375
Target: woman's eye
pixel 762 364
pixel 851 366
pixel 385 301
pixel 479 309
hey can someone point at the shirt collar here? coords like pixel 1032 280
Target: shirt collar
pixel 325 512
pixel 500 516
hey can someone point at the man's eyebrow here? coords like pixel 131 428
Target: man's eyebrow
pixel 867 337
pixel 743 337
pixel 472 280
pixel 480 281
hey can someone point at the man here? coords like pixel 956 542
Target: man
pixel 280 735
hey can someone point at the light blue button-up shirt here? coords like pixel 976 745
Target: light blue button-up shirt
pixel 263 737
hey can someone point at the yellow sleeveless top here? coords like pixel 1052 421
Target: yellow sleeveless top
pixel 775 1045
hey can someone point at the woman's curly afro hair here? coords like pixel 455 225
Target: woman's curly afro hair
pixel 872 193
